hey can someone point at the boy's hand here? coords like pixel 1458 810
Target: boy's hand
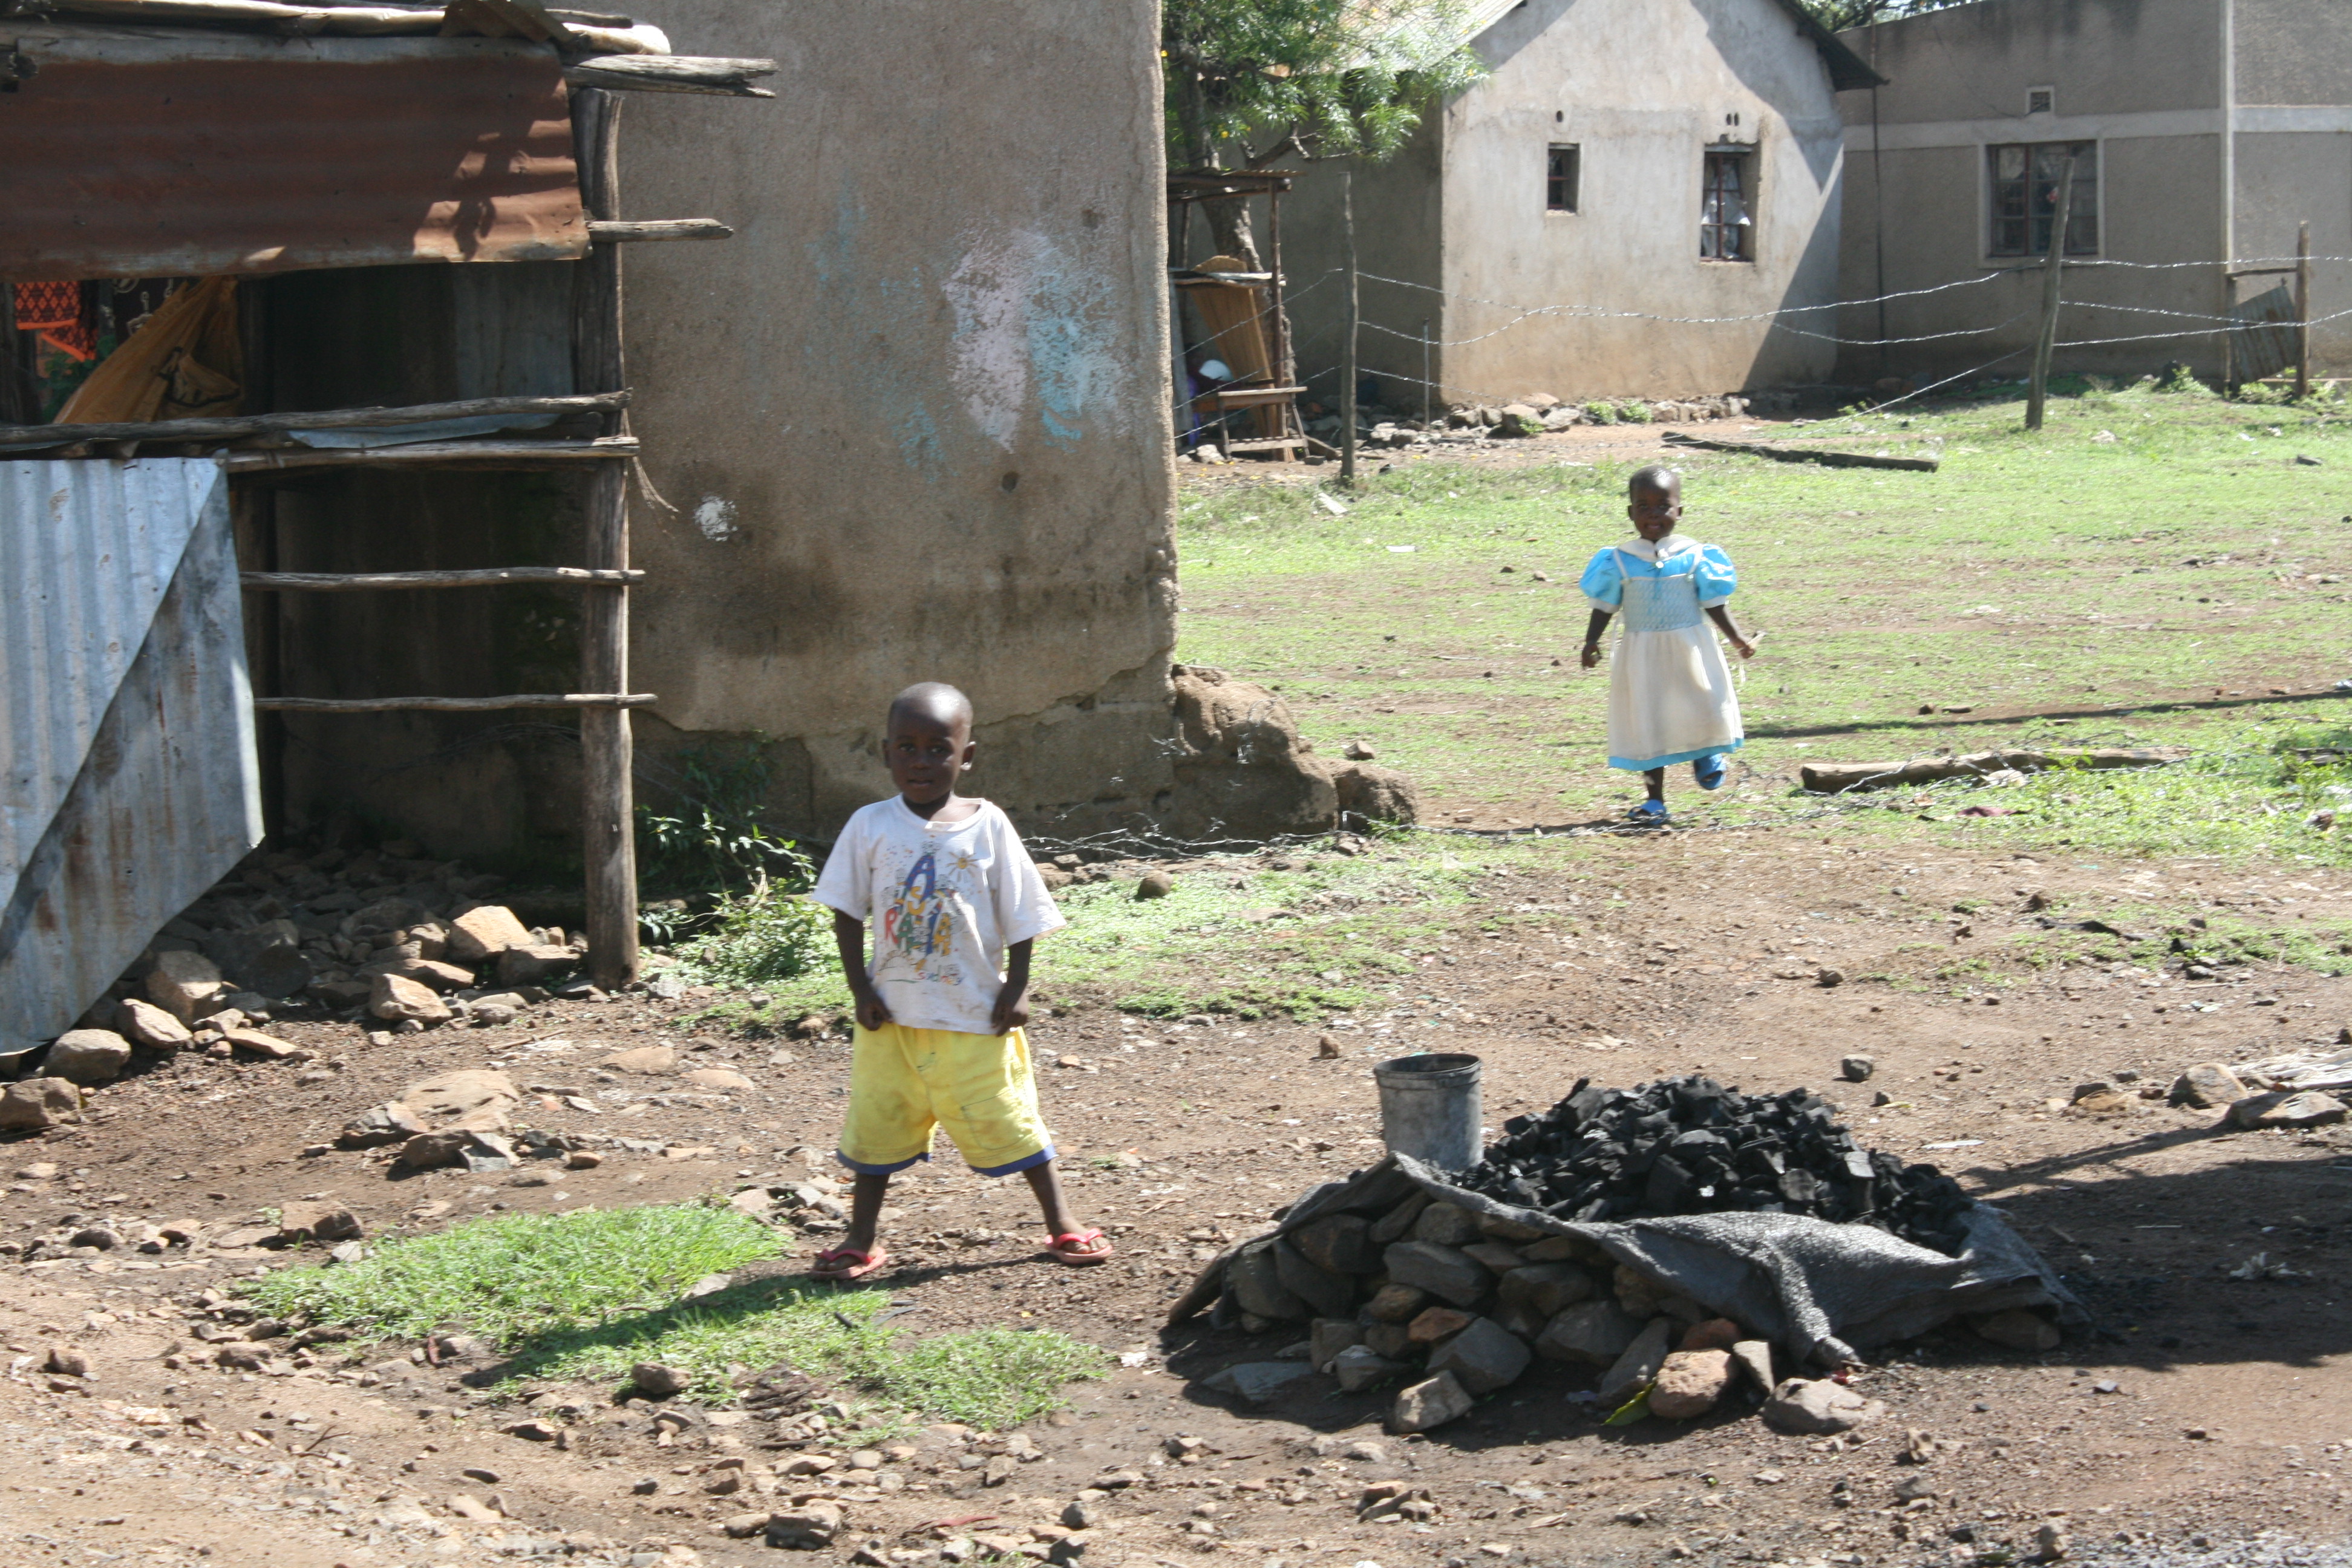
pixel 1012 1009
pixel 1592 655
pixel 872 1011
pixel 1743 648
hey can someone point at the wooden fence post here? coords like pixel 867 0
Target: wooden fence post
pixel 1347 350
pixel 2303 313
pixel 2052 266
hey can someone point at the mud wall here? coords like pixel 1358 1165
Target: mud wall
pixel 914 417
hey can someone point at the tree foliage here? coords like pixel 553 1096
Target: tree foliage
pixel 1839 14
pixel 1244 78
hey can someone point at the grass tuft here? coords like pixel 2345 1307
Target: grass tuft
pixel 586 1296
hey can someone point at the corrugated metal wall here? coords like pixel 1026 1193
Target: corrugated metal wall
pixel 130 785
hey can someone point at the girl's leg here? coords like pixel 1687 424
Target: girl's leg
pixel 1655 779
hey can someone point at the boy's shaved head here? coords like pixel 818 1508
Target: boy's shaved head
pixel 935 700
pixel 1654 480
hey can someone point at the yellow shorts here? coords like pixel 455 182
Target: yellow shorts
pixel 904 1083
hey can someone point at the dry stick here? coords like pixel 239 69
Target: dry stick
pixel 231 427
pixel 601 232
pixel 2052 267
pixel 1347 357
pixel 671 73
pixel 2302 311
pixel 363 582
pixel 588 701
pixel 436 455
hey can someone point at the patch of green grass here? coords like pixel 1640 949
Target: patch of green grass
pixel 1333 933
pixel 2147 589
pixel 765 937
pixel 2244 794
pixel 514 1275
pixel 990 1378
pixel 587 1295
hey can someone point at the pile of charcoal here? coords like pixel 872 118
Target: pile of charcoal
pixel 1689 1146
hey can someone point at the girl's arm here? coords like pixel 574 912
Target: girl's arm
pixel 1721 616
pixel 1592 630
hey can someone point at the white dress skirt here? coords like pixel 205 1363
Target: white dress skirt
pixel 1670 687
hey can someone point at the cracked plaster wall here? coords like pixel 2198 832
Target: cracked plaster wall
pixel 913 416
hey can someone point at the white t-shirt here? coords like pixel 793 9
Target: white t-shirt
pixel 944 900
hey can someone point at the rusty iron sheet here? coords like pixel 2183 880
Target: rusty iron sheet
pixel 131 784
pixel 149 157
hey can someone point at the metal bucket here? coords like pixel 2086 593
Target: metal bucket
pixel 1429 1109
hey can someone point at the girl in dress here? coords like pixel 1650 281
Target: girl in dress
pixel 1670 696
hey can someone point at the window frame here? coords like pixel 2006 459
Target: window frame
pixel 2089 204
pixel 1742 157
pixel 1575 178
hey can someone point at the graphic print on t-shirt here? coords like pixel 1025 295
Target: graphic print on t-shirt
pixel 920 924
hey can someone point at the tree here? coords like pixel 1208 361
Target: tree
pixel 1250 82
pixel 1839 14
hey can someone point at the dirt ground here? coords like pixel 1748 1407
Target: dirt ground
pixel 2202 1406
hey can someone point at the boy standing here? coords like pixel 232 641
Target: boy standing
pixel 955 901
pixel 1670 696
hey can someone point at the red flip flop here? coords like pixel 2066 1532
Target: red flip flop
pixel 1065 1248
pixel 836 1263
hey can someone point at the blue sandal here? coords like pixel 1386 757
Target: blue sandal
pixel 1650 813
pixel 1709 771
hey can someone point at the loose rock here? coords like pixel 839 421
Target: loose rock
pixel 88 1056
pixel 2307 1108
pixel 1690 1383
pixel 144 1024
pixel 33 1103
pixel 2018 1329
pixel 1445 1272
pixel 400 1000
pixel 185 984
pixel 1482 1357
pixel 1592 1332
pixel 1154 885
pixel 1262 1381
pixel 1856 1069
pixel 1359 1367
pixel 1430 1403
pixel 2208 1086
pixel 485 932
pixel 1639 1365
pixel 1819 1408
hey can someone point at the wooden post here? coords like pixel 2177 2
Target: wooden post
pixel 2052 266
pixel 1347 350
pixel 607 798
pixel 2303 313
pixel 1425 388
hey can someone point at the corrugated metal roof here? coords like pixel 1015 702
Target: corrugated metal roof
pixel 131 784
pixel 156 156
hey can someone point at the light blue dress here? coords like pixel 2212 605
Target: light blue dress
pixel 1670 690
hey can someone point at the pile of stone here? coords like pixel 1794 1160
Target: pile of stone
pixel 385 937
pixel 1457 1305
pixel 1689 1146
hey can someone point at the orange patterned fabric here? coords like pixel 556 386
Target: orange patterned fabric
pixel 59 313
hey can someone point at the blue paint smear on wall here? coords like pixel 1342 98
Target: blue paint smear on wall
pixel 863 294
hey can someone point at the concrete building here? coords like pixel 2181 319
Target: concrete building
pixel 1623 161
pixel 2204 130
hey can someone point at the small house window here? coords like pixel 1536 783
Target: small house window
pixel 1725 227
pixel 1559 179
pixel 2023 178
pixel 2041 100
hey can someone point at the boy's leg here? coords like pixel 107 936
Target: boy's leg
pixel 1059 1220
pixel 866 1196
